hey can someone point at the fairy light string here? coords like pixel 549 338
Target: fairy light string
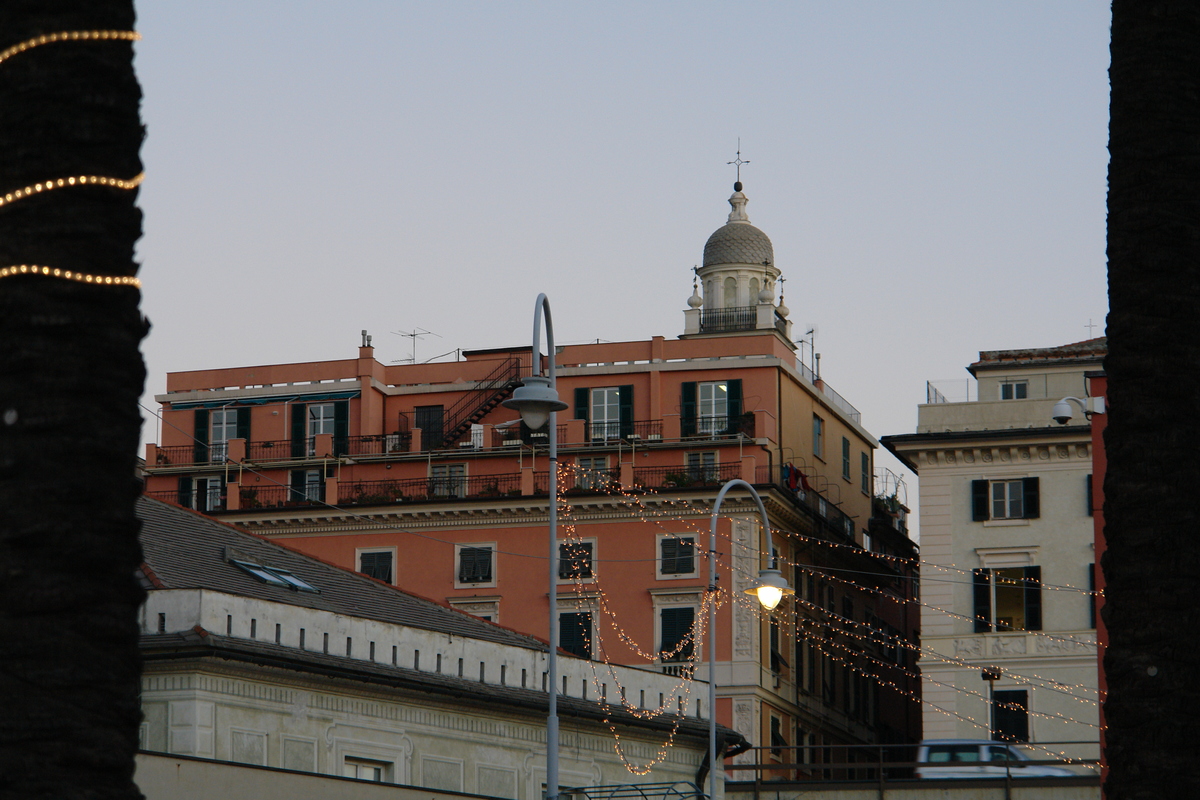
pixel 40 187
pixel 687 516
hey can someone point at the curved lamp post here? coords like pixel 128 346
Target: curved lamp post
pixel 770 588
pixel 537 401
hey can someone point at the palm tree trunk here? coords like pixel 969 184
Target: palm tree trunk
pixel 1152 517
pixel 70 378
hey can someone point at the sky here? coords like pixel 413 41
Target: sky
pixel 932 176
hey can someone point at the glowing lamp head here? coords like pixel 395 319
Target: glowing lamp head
pixel 771 588
pixel 534 399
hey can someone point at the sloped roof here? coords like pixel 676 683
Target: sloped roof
pixel 1089 350
pixel 186 550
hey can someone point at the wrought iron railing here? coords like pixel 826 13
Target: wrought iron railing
pixel 686 477
pixel 721 320
pixel 450 487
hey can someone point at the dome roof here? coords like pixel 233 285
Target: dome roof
pixel 738 243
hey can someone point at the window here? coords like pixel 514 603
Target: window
pixel 713 408
pixel 676 642
pixel 1010 715
pixel 845 458
pixel 778 740
pixel 575 633
pixel 312 419
pixel 1008 599
pixel 320 420
pixel 712 405
pixel 608 410
pixel 202 494
pixel 376 564
pixel 1016 390
pixel 1093 600
pixel 363 770
pixel 448 480
pixel 275 576
pixel 866 473
pixel 1007 499
pixel 592 473
pixel 308 486
pixel 224 422
pixel 779 664
pixel 574 561
pixel 606 413
pixel 702 467
pixel 474 564
pixel 818 437
pixel 678 555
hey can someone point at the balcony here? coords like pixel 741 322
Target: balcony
pixel 454 487
pixel 686 477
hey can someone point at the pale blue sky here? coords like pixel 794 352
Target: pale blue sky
pixel 932 175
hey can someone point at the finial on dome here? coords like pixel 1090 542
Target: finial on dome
pixel 738 201
pixel 737 186
pixel 695 301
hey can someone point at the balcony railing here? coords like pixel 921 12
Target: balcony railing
pixel 453 487
pixel 722 320
pixel 718 426
pixel 829 516
pixel 638 430
pixel 200 499
pixel 686 477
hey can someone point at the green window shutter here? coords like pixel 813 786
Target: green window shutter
pixel 1030 487
pixel 200 432
pixel 243 423
pixel 982 595
pixel 733 404
pixel 1033 598
pixel 341 427
pixel 184 496
pixel 582 398
pixel 687 408
pixel 574 633
pixel 299 429
pixel 1087 487
pixel 1093 601
pixel 625 410
pixel 979 501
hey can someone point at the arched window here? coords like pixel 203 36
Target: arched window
pixel 754 291
pixel 730 293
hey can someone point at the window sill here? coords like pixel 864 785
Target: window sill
pixel 1004 523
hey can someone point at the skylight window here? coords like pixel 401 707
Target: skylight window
pixel 275 576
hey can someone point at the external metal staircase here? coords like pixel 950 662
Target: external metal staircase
pixel 494 388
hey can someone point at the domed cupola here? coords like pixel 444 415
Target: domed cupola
pixel 737 279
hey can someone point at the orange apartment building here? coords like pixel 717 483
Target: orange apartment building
pixel 416 475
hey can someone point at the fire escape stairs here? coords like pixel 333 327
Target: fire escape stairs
pixel 495 388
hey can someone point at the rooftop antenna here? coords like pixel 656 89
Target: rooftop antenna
pixel 415 334
pixel 737 162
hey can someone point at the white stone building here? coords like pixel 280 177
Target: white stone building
pixel 258 655
pixel 1008 557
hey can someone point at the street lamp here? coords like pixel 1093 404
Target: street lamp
pixel 537 401
pixel 770 588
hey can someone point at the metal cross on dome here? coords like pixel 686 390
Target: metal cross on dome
pixel 737 162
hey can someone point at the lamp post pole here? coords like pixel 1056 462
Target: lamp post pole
pixel 770 589
pixel 538 403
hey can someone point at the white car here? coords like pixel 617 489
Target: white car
pixel 979 758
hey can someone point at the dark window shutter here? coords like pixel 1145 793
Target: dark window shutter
pixel 298 483
pixel 625 410
pixel 1030 487
pixel 733 404
pixel 582 402
pixel 676 623
pixel 200 432
pixel 687 409
pixel 377 565
pixel 299 429
pixel 678 556
pixel 184 496
pixel 979 501
pixel 574 630
pixel 1033 598
pixel 1087 485
pixel 341 427
pixel 243 423
pixel 983 599
pixel 474 564
pixel 1010 715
